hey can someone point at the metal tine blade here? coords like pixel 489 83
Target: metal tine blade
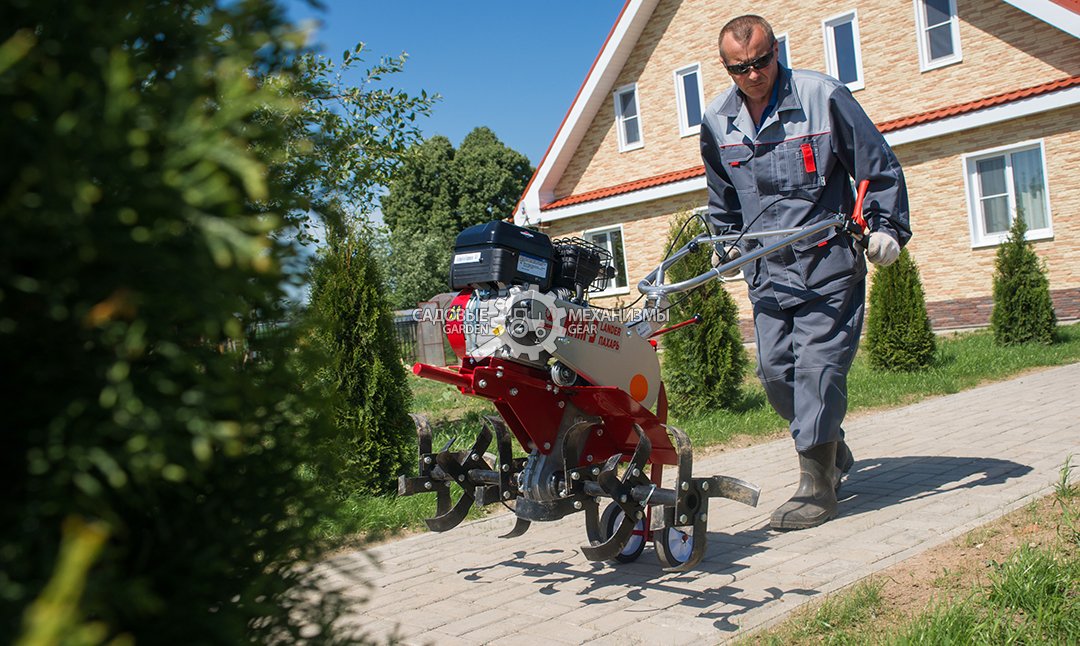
pixel 610 548
pixel 423 432
pixel 521 526
pixel 641 454
pixel 592 521
pixel 452 518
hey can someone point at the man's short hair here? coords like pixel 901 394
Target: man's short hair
pixel 742 29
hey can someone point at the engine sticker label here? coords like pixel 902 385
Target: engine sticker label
pixel 466 258
pixel 532 266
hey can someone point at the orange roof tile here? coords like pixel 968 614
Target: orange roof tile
pixel 972 106
pixel 886 126
pixel 628 187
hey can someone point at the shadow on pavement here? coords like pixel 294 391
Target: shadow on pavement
pixel 877 483
pixel 872 484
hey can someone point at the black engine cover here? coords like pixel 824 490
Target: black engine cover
pixel 498 254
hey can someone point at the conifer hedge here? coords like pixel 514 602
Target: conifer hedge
pixel 361 370
pixel 1023 310
pixel 703 364
pixel 899 336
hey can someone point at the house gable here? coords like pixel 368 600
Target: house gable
pixel 1003 46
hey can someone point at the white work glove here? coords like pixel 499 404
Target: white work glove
pixel 732 254
pixel 882 249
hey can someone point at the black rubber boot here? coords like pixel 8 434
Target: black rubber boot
pixel 815 500
pixel 844 461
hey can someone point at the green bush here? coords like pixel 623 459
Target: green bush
pixel 362 370
pixel 898 335
pixel 1023 310
pixel 703 364
pixel 160 161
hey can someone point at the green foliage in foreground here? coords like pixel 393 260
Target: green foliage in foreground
pixel 160 160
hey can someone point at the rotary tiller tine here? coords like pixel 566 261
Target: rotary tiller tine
pixel 521 526
pixel 592 521
pixel 423 432
pixel 611 548
pixel 449 443
pixel 608 477
pixel 483 439
pixel 452 518
pixel 641 454
pixel 503 441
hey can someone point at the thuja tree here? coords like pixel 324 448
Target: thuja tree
pixel 157 156
pixel 1023 310
pixel 361 369
pixel 703 364
pixel 899 336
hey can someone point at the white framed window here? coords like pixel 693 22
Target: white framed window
pixel 843 53
pixel 690 98
pixel 938 33
pixel 782 50
pixel 628 118
pixel 1002 183
pixel 611 238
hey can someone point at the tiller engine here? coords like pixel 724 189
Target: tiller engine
pixel 579 388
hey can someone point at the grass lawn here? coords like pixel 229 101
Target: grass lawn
pixel 963 361
pixel 1014 581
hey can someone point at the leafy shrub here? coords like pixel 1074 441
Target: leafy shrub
pixel 703 364
pixel 157 157
pixel 1023 310
pixel 899 336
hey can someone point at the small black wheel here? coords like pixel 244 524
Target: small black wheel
pixel 673 545
pixel 610 521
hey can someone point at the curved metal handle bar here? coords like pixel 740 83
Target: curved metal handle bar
pixel 653 285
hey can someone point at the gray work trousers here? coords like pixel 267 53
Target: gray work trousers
pixel 804 354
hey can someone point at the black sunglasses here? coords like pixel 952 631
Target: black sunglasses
pixel 759 63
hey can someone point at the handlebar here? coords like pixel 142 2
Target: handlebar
pixel 653 287
pixel 653 284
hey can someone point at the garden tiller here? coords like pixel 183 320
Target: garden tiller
pixel 578 387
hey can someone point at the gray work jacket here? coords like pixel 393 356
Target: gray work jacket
pixel 796 171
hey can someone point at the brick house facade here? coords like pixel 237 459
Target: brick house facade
pixel 980 100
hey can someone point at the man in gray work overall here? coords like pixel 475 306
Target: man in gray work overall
pixel 781 149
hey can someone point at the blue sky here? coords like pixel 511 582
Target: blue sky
pixel 511 66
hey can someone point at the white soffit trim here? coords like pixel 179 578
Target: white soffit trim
pixel 593 93
pixel 986 116
pixel 1051 13
pixel 626 199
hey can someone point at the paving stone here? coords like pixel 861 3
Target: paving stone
pixel 924 474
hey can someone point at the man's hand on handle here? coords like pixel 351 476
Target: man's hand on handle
pixel 732 253
pixel 882 249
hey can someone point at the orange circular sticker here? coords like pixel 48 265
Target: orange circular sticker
pixel 639 387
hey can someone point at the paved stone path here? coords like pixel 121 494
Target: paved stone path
pixel 923 474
